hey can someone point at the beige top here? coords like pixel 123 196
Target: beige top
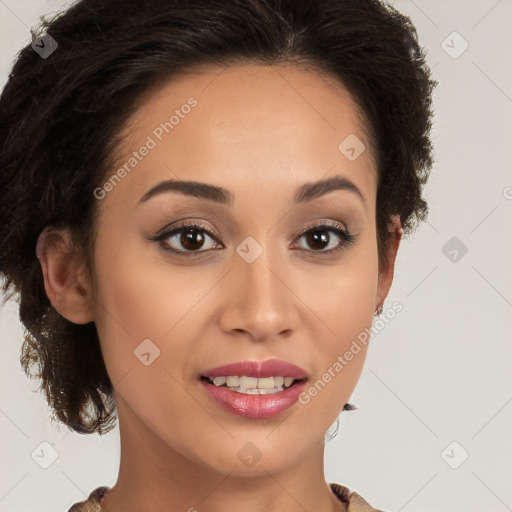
pixel 356 503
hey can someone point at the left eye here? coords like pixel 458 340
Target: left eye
pixel 319 236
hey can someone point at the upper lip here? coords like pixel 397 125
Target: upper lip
pixel 255 368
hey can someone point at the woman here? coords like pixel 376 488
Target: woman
pixel 202 202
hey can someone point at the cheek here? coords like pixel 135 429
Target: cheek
pixel 342 296
pixel 137 300
pixel 142 297
pixel 140 291
pixel 342 299
pixel 339 353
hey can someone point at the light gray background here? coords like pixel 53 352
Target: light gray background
pixel 438 373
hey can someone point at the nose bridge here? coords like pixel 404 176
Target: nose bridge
pixel 262 302
pixel 258 275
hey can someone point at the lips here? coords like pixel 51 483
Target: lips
pixel 258 369
pixel 255 389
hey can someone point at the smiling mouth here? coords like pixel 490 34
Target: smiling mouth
pixel 253 385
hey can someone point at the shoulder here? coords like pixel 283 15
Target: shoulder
pixel 92 503
pixel 356 503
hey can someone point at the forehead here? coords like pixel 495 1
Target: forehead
pixel 247 128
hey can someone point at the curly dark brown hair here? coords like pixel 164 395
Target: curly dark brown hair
pixel 61 116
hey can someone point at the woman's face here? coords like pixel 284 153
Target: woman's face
pixel 256 288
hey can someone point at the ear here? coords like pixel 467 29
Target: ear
pixel 64 276
pixel 386 273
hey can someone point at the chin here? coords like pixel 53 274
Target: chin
pixel 247 455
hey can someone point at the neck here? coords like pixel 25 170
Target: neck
pixel 154 476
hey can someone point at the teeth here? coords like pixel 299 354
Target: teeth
pixel 265 383
pixel 219 381
pixel 253 385
pixel 249 382
pixel 232 381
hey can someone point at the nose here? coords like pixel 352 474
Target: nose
pixel 260 303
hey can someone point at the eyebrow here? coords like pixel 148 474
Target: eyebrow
pixel 304 193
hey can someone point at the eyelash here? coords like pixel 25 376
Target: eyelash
pixel 348 239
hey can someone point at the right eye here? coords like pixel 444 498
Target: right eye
pixel 190 236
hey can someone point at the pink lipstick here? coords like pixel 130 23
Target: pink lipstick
pixel 255 389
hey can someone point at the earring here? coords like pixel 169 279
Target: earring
pixel 379 310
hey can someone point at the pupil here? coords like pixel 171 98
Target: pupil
pixel 188 238
pixel 313 238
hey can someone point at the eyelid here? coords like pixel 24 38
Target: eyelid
pixel 322 223
pixel 178 224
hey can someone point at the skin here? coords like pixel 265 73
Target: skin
pixel 259 132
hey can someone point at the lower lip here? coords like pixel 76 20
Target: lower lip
pixel 254 406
